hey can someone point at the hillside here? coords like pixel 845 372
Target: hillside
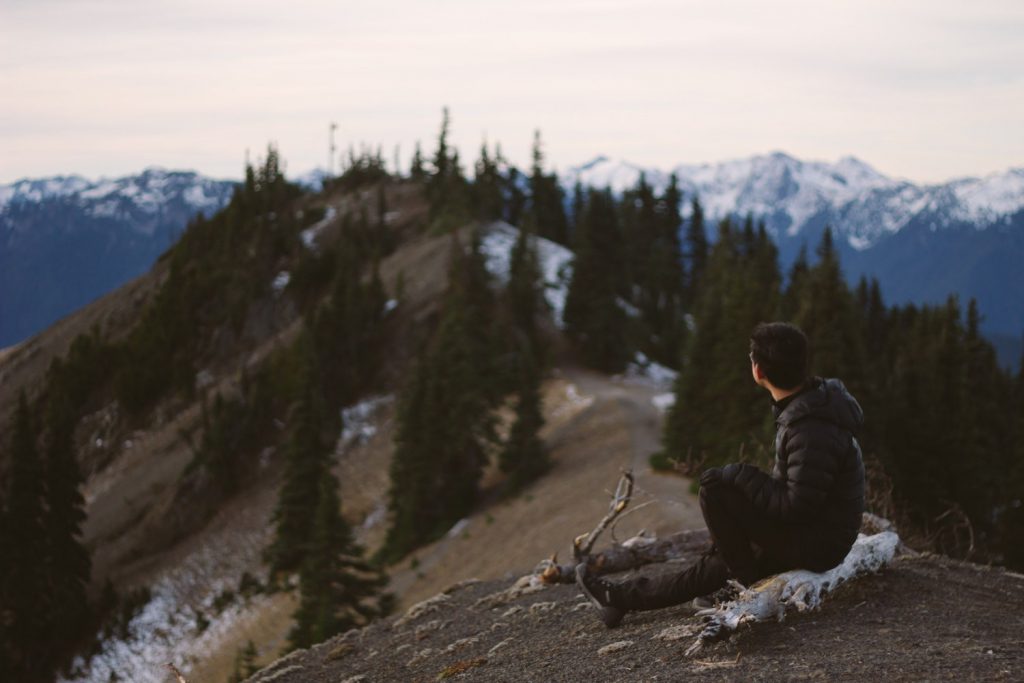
pixel 184 548
pixel 922 618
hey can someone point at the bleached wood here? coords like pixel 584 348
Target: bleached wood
pixel 798 589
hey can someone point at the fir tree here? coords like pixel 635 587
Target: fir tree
pixel 69 563
pixel 523 293
pixel 524 457
pixel 338 589
pixel 547 206
pixel 488 200
pixel 594 319
pixel 696 251
pixel 827 314
pixel 27 604
pixel 416 171
pixel 305 465
pixel 719 411
pixel 445 421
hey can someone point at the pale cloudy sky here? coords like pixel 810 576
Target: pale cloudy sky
pixel 922 89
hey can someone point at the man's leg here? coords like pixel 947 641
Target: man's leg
pixel 751 546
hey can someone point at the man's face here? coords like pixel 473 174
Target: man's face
pixel 755 371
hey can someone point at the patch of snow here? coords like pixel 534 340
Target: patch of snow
pixel 357 421
pixel 390 305
pixel 281 281
pixel 555 263
pixel 459 527
pixel 376 516
pixel 663 401
pixel 642 370
pixel 310 234
pixel 574 401
pixel 165 628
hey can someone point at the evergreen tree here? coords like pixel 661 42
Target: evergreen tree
pixel 338 589
pixel 661 283
pixel 696 251
pixel 719 411
pixel 515 198
pixel 27 604
pixel 594 318
pixel 547 203
pixel 523 294
pixel 827 314
pixel 69 563
pixel 416 171
pixel 796 284
pixel 524 457
pixel 306 464
pixel 445 421
pixel 488 199
pixel 446 187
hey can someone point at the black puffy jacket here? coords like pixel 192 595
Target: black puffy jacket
pixel 818 478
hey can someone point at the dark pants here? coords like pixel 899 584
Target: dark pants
pixel 747 547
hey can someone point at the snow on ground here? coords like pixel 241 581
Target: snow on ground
pixel 166 629
pixel 646 372
pixel 310 234
pixel 555 263
pixel 574 400
pixel 663 401
pixel 358 423
pixel 281 281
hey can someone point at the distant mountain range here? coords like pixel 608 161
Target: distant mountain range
pixel 65 241
pixel 922 242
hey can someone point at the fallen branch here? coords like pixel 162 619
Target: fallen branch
pixel 583 544
pixel 799 589
pixel 177 674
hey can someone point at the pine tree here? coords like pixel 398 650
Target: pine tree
pixel 523 293
pixel 445 420
pixel 827 314
pixel 488 200
pixel 27 604
pixel 547 207
pixel 305 465
pixel 718 409
pixel 446 188
pixel 338 589
pixel 594 319
pixel 524 457
pixel 696 251
pixel 69 563
pixel 416 171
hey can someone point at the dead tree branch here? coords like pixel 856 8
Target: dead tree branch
pixel 583 544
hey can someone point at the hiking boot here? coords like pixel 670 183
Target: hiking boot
pixel 599 592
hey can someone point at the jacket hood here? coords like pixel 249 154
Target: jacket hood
pixel 825 399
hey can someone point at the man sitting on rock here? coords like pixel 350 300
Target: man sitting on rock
pixel 805 515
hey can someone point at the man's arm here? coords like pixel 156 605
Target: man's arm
pixel 808 476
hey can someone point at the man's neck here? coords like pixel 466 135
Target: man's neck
pixel 782 394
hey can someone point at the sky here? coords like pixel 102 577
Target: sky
pixel 925 90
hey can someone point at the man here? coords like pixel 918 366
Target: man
pixel 806 514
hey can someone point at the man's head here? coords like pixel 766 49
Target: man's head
pixel 778 353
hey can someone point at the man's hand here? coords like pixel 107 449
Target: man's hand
pixel 711 478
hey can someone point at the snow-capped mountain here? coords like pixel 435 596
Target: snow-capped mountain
pixel 66 240
pixel 861 204
pixel 922 242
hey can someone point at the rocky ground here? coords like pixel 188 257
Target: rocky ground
pixel 922 618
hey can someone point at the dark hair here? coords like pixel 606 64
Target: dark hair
pixel 780 349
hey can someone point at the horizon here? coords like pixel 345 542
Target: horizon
pixel 102 88
pixel 467 167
